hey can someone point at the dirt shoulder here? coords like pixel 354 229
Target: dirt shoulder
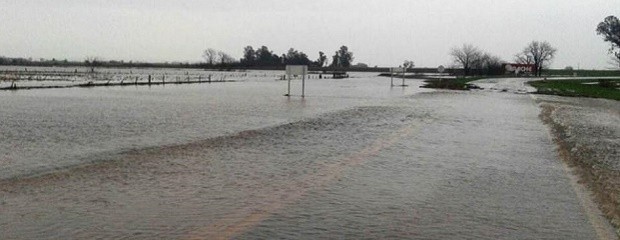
pixel 587 133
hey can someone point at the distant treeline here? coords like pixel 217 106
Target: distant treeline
pixel 260 58
pixel 258 65
pixel 263 57
pixel 6 61
pixel 90 63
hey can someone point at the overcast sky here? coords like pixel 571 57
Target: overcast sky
pixel 382 32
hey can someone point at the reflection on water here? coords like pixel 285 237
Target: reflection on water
pixel 356 159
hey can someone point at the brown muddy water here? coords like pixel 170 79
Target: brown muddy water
pixel 355 160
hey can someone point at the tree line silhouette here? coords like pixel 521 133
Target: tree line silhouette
pixel 263 57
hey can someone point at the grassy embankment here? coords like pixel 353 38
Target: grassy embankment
pixel 453 84
pixel 581 73
pixel 594 88
pixel 461 83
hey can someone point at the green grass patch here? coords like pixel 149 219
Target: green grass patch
pixel 581 73
pixel 453 84
pixel 594 88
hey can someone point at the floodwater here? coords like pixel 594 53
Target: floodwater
pixel 47 129
pixel 355 159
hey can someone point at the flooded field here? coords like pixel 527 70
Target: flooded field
pixel 355 159
pixel 53 128
pixel 18 77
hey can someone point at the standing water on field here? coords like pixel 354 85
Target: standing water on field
pixel 50 129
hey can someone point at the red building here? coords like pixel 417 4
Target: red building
pixel 516 68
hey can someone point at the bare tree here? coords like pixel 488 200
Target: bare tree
pixel 228 59
pixel 541 53
pixel 614 62
pixel 490 64
pixel 523 59
pixel 610 29
pixel 466 56
pixel 491 60
pixel 92 62
pixel 408 64
pixel 210 55
pixel 224 57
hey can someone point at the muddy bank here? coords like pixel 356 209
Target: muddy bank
pixel 587 132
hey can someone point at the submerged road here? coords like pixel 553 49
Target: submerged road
pixel 434 165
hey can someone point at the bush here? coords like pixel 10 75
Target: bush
pixel 606 83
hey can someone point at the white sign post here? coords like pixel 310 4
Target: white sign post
pixel 397 70
pixel 292 70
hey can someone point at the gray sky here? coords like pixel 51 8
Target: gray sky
pixel 378 32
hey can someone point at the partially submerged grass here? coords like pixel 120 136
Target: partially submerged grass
pixel 453 84
pixel 595 88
